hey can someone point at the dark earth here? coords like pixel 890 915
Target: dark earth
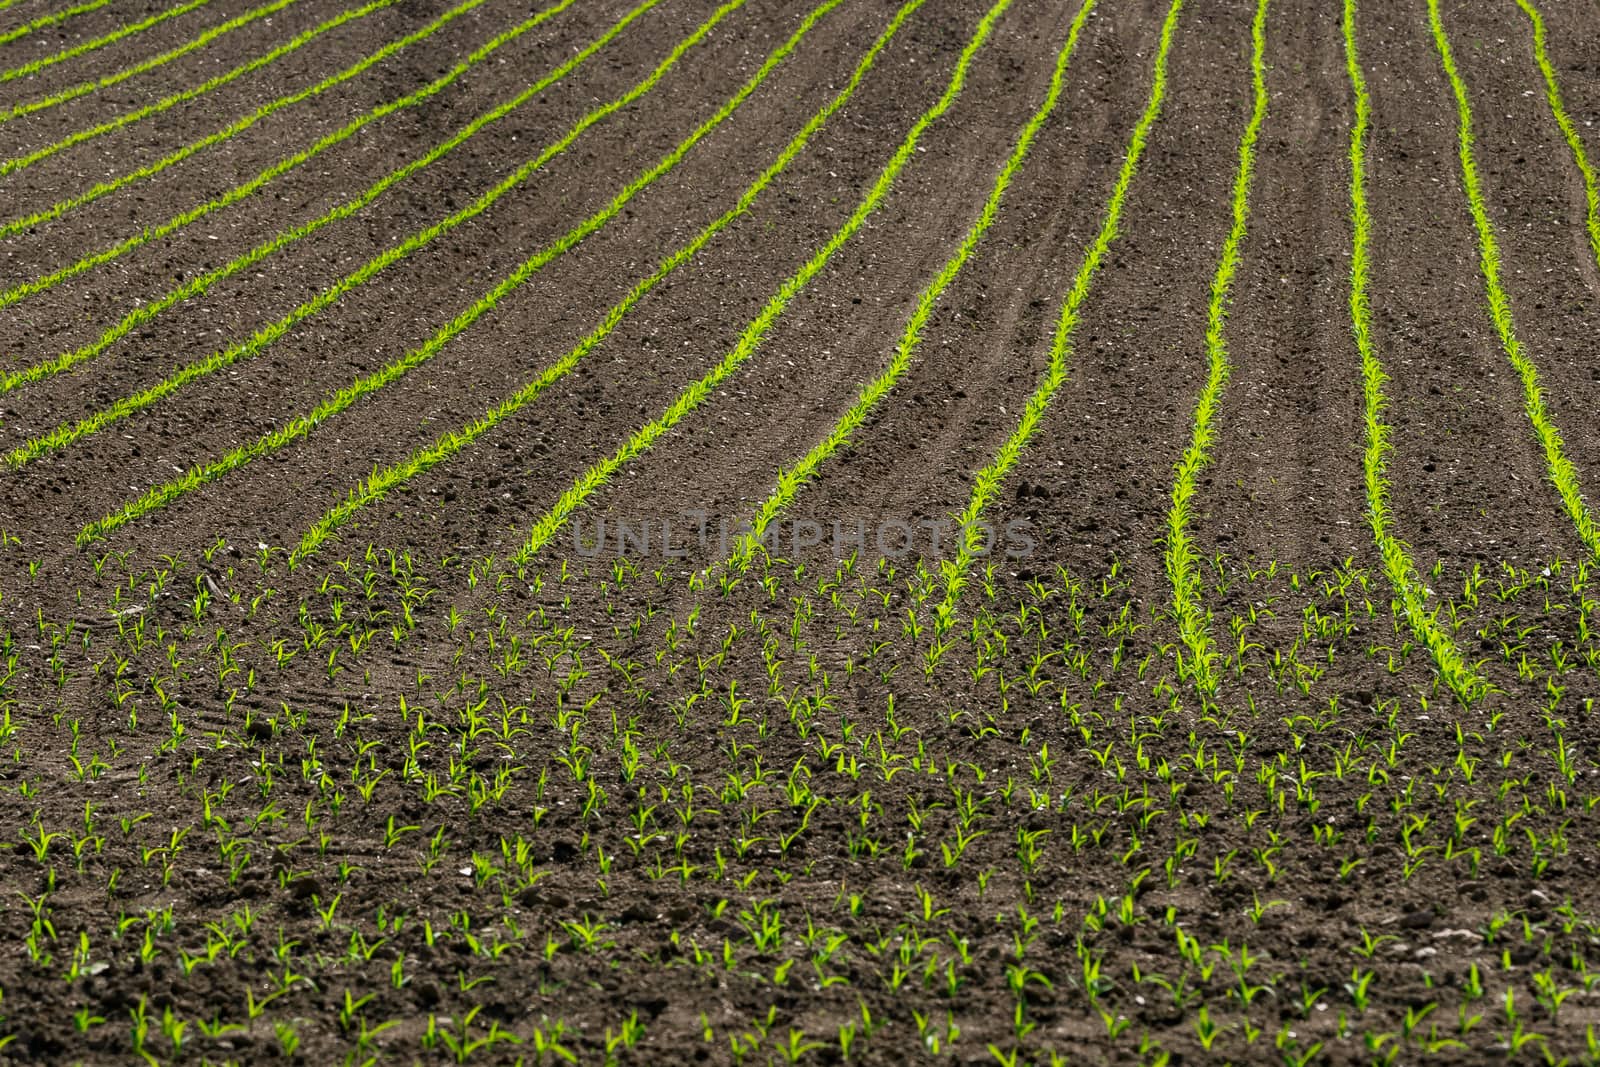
pixel 414 793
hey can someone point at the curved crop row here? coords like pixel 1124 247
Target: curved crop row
pixel 51 19
pixel 645 436
pixel 288 163
pixel 987 482
pixel 302 425
pixel 72 92
pixel 1561 470
pixel 1461 678
pixel 451 443
pixel 1569 131
pixel 1183 570
pixel 200 284
pixel 118 34
pixel 794 477
pixel 128 118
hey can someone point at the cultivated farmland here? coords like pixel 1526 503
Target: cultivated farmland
pixel 649 532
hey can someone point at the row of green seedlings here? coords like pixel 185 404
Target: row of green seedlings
pixel 908 943
pixel 903 969
pixel 1569 130
pixel 1319 628
pixel 238 938
pixel 1182 561
pixel 1291 666
pixel 1550 658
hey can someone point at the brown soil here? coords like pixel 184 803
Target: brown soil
pixel 416 801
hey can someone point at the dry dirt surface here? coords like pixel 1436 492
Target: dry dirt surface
pixel 977 531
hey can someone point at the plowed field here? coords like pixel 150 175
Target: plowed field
pixel 987 531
